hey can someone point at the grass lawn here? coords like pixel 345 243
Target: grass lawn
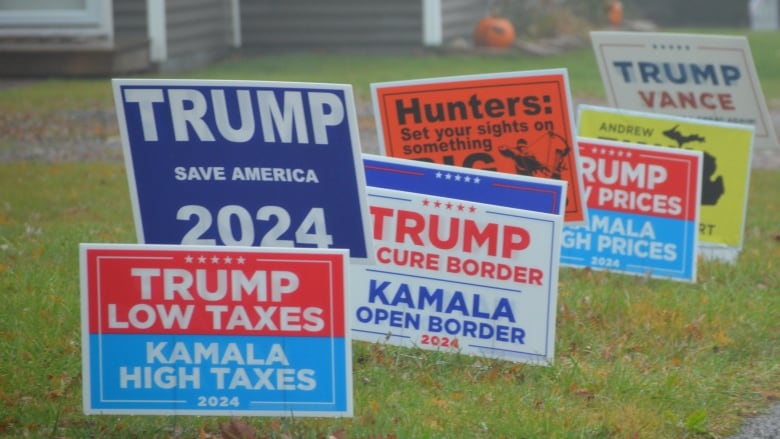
pixel 635 358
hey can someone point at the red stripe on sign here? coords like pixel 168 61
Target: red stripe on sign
pixel 215 292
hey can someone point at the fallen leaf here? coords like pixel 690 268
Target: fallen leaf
pixel 438 402
pixel 582 392
pixel 693 328
pixel 770 395
pixel 723 339
pixel 237 429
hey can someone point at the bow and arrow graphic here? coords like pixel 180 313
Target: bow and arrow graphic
pixel 528 163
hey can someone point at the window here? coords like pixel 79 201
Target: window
pixel 56 18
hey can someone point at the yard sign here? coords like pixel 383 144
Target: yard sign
pixel 244 163
pixel 194 330
pixel 459 276
pixel 456 274
pixel 727 149
pixel 704 76
pixel 643 203
pixel 519 123
pixel 516 191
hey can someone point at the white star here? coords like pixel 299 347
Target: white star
pixel 215 259
pixel 188 259
pixel 201 259
pixel 467 179
pixel 241 260
pixel 457 177
pixel 438 174
pixel 477 180
pixel 228 259
pixel 448 176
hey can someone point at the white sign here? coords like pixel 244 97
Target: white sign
pixel 703 76
pixel 459 276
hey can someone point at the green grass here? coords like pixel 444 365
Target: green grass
pixel 634 357
pixel 766 55
pixel 651 358
pixel 363 70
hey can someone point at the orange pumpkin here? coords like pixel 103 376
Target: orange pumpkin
pixel 615 13
pixel 494 32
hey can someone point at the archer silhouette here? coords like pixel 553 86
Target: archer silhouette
pixel 711 189
pixel 560 155
pixel 525 162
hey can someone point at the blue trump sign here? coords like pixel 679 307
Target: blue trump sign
pixel 245 163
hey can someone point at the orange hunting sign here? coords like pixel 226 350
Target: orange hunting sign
pixel 518 123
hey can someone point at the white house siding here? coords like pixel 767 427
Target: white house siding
pixel 130 19
pixel 278 25
pixel 197 32
pixel 459 17
pixel 194 33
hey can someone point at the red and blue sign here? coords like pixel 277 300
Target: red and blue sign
pixel 244 163
pixel 520 192
pixel 207 330
pixel 643 210
pixel 459 276
pixel 467 260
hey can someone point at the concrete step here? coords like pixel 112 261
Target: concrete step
pixel 50 57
